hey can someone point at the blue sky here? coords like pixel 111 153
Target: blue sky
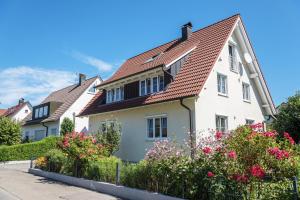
pixel 44 44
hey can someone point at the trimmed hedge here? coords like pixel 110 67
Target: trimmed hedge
pixel 28 150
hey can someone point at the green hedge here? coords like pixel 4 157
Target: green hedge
pixel 28 150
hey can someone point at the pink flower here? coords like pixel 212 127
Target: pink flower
pixel 273 151
pixel 206 150
pixel 279 154
pixel 94 141
pixel 257 171
pixel 218 135
pixel 289 138
pixel 210 174
pixel 232 155
pixel 269 134
pixel 66 143
pixel 241 178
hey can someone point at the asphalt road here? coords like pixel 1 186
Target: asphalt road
pixel 16 184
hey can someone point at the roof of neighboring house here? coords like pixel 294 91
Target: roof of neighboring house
pixel 13 110
pixel 2 111
pixel 207 43
pixel 66 96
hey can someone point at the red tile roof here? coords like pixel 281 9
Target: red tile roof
pixel 2 111
pixel 12 110
pixel 208 41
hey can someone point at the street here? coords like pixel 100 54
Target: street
pixel 16 184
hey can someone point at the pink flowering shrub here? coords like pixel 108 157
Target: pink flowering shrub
pixel 80 149
pixel 238 161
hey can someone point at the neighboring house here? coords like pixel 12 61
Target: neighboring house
pixel 47 117
pixel 18 112
pixel 207 79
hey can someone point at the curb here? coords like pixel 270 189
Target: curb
pixel 103 187
pixel 15 162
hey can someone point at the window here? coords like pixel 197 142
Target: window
pixel 143 88
pixel 249 121
pixel 151 85
pixel 93 89
pixel 221 123
pixel 26 111
pixel 148 81
pixel 53 131
pixel 116 94
pixel 36 114
pixel 222 84
pixel 41 112
pixel 246 91
pixel 102 127
pixel 161 83
pixel 39 134
pixel 155 85
pixel 45 111
pixel 232 58
pixel 157 127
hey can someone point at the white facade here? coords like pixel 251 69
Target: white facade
pixel 205 107
pixel 38 131
pixel 22 113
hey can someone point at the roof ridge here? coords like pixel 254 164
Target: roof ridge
pixel 238 14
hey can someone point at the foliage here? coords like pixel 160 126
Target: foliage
pixel 10 131
pixel 67 126
pixel 55 160
pixel 41 163
pixel 225 164
pixel 28 150
pixel 103 169
pixel 80 149
pixel 288 118
pixel 110 138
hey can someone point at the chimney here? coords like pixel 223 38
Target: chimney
pixel 82 78
pixel 186 30
pixel 21 101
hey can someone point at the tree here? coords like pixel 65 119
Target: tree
pixel 67 126
pixel 10 131
pixel 288 118
pixel 110 138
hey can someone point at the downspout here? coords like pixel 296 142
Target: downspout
pixel 43 124
pixel 190 128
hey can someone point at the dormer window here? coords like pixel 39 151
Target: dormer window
pixel 41 111
pixel 115 94
pixel 151 85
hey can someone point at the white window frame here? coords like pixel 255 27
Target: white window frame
pixel 246 92
pixel 158 78
pixel 233 59
pixel 160 117
pixel 45 111
pixel 225 93
pixel 218 123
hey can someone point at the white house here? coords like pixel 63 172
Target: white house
pixel 18 112
pixel 207 79
pixel 47 117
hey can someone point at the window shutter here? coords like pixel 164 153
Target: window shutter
pixel 131 90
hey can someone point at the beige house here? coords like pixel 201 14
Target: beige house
pixel 207 79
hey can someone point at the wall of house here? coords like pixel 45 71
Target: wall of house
pixel 134 141
pixel 30 130
pixel 19 116
pixel 81 123
pixel 210 103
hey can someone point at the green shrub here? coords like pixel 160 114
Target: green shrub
pixel 10 131
pixel 55 160
pixel 28 150
pixel 103 169
pixel 67 126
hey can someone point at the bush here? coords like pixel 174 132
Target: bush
pixel 103 169
pixel 80 149
pixel 28 150
pixel 288 118
pixel 67 126
pixel 55 160
pixel 10 131
pixel 110 139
